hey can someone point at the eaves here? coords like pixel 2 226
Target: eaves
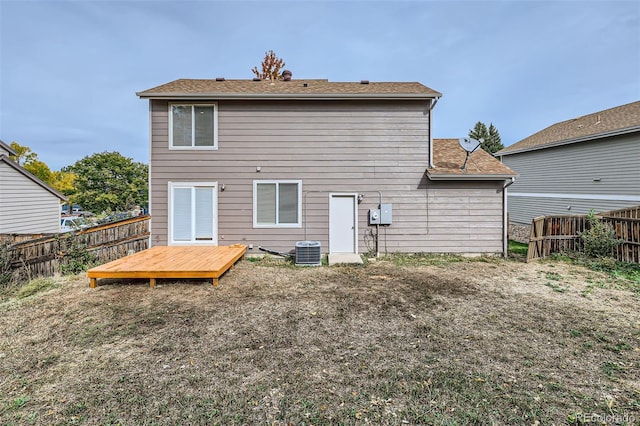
pixel 461 177
pixel 21 170
pixel 293 96
pixel 587 138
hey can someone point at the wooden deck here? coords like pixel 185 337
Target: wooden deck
pixel 172 262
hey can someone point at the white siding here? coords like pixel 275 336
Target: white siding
pixel 372 148
pixel 25 206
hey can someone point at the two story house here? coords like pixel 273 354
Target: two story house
pixel 350 165
pixel 577 165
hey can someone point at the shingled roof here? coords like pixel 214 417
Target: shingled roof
pixel 8 148
pixel 610 122
pixel 448 158
pixel 293 89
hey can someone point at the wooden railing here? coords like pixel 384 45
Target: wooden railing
pixel 44 256
pixel 557 234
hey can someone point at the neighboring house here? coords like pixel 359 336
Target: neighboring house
pixel 589 162
pixel 269 163
pixel 27 205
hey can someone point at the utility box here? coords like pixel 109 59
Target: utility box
pixel 374 217
pixel 386 211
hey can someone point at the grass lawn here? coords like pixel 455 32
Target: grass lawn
pixel 408 340
pixel 519 249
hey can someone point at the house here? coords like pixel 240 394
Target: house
pixel 572 167
pixel 27 205
pixel 350 165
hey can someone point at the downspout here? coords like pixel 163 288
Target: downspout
pixel 505 225
pixel 432 104
pixel 150 242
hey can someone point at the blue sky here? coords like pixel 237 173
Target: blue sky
pixel 69 70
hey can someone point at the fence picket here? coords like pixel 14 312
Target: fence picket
pixel 43 256
pixel 555 234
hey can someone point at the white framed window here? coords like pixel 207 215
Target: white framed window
pixel 277 203
pixel 193 126
pixel 193 213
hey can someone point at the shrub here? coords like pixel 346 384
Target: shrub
pixel 5 263
pixel 600 239
pixel 77 258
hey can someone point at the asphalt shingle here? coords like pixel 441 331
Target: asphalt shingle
pixel 448 158
pixel 307 88
pixel 581 128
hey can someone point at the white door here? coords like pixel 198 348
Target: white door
pixel 343 224
pixel 193 215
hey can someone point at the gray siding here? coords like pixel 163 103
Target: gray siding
pixel 571 170
pixel 373 148
pixel 25 206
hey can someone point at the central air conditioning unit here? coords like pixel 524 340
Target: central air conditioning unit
pixel 308 253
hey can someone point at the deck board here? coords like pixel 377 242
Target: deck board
pixel 172 262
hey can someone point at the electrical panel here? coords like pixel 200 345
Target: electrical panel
pixel 386 211
pixel 374 217
pixel 381 216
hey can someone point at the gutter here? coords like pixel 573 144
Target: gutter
pixel 468 177
pixel 281 96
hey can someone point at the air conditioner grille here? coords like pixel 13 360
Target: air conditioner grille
pixel 308 253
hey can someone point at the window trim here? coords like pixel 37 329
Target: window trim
pixel 192 185
pixel 193 147
pixel 298 224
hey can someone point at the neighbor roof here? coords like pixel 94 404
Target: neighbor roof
pixel 293 89
pixel 610 122
pixel 448 158
pixel 6 160
pixel 8 148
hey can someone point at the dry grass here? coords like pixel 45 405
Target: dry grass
pixel 428 342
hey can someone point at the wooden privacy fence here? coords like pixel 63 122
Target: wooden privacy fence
pixel 556 234
pixel 630 213
pixel 44 256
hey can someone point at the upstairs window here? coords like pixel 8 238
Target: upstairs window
pixel 277 204
pixel 193 126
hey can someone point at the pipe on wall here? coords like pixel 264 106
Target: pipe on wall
pixel 432 104
pixel 505 224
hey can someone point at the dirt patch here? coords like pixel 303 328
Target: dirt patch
pixel 467 342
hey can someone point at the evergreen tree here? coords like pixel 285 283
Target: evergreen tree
pixel 489 138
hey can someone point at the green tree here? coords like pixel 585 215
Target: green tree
pixel 40 170
pixel 489 138
pixel 24 154
pixel 271 66
pixel 29 161
pixel 63 182
pixel 108 181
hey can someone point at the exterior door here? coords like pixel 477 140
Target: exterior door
pixel 343 224
pixel 193 213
